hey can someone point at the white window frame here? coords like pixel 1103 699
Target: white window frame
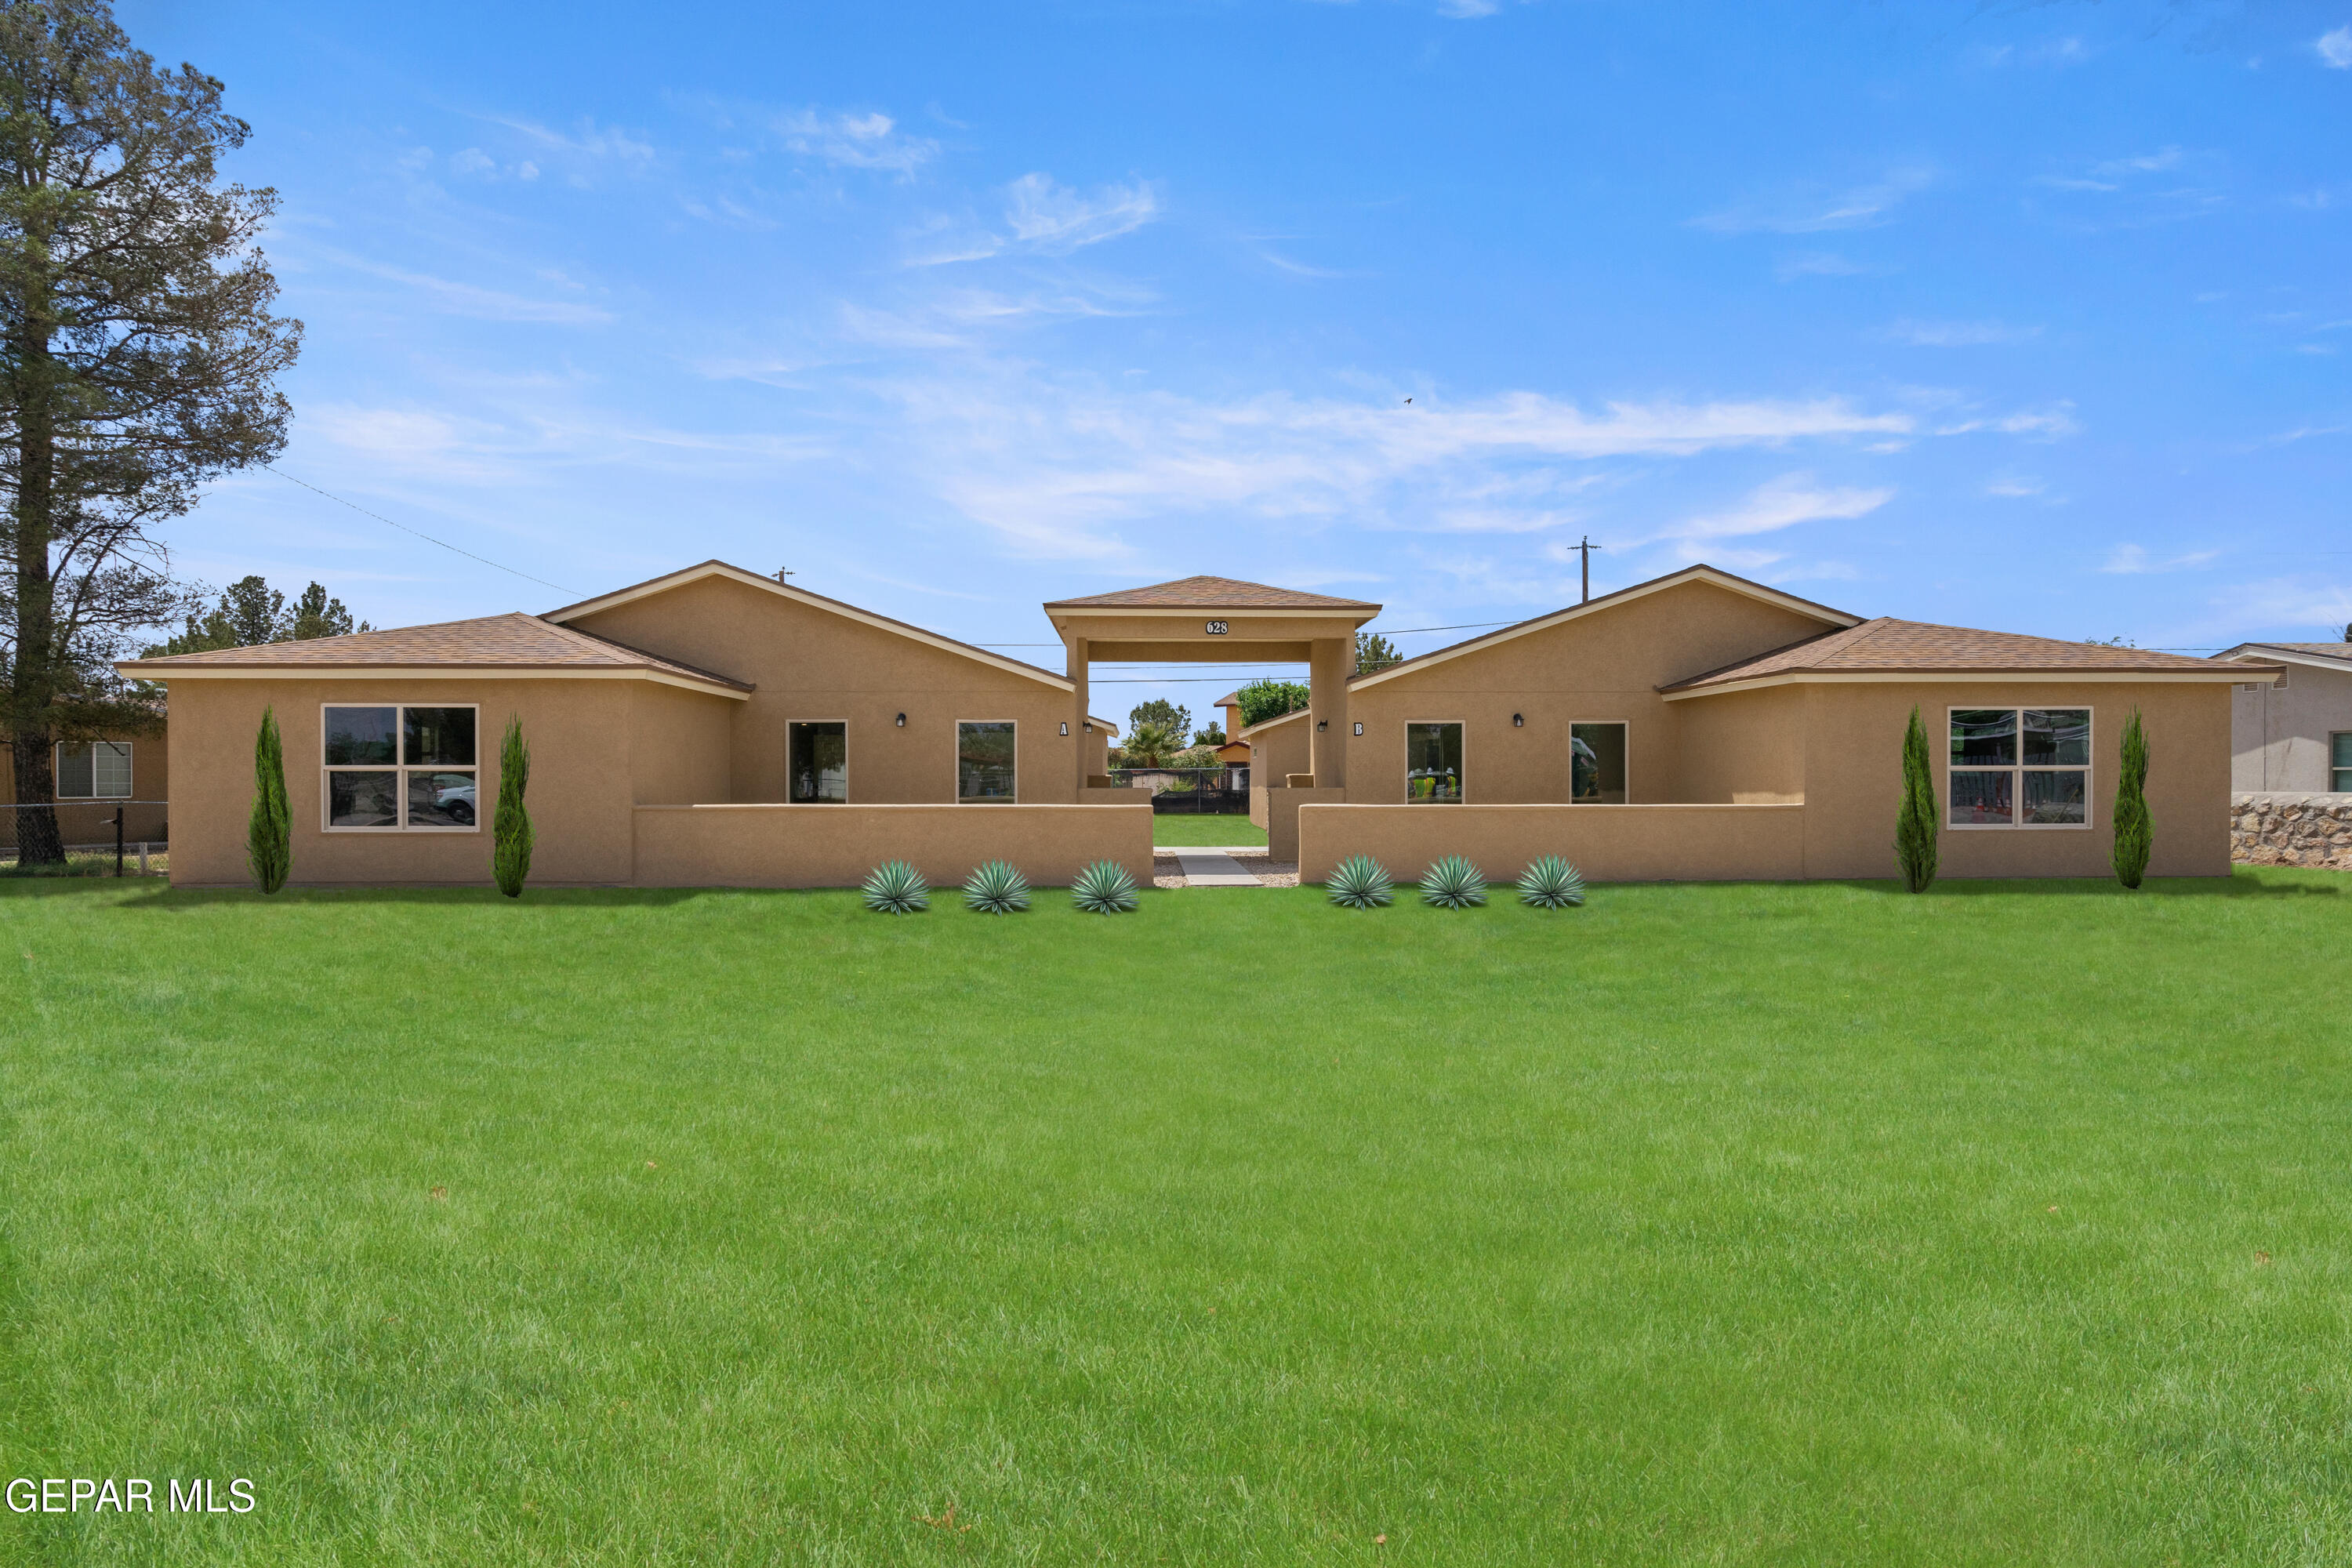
pixel 129 779
pixel 789 722
pixel 1463 726
pixel 399 769
pixel 955 766
pixel 2336 775
pixel 1624 724
pixel 2020 768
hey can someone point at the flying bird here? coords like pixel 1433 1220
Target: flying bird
pixel 1407 400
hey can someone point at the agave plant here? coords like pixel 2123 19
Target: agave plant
pixel 1360 882
pixel 996 888
pixel 896 889
pixel 1103 889
pixel 1453 883
pixel 1552 883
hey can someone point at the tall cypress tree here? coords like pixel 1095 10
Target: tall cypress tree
pixel 1916 824
pixel 511 830
pixel 2135 833
pixel 269 836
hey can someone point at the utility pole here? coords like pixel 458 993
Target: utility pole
pixel 1586 550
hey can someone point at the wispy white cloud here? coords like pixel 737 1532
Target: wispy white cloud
pixel 2295 602
pixel 1466 10
pixel 460 298
pixel 1816 264
pixel 1818 212
pixel 851 141
pixel 1056 219
pixel 2336 48
pixel 583 152
pixel 2133 560
pixel 1955 334
pixel 2044 423
pixel 2015 487
pixel 1780 503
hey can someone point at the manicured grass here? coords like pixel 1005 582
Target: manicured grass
pixel 1224 829
pixel 1740 1224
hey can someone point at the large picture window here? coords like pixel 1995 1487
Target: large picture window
pixel 1432 762
pixel 1597 765
pixel 817 761
pixel 395 767
pixel 2021 767
pixel 2339 762
pixel 94 770
pixel 984 761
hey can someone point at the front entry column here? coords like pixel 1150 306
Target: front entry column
pixel 1076 670
pixel 1331 661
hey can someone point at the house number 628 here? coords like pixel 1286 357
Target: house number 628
pixel 1217 628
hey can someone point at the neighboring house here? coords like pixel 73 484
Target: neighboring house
pixel 714 726
pixel 1235 751
pixel 92 779
pixel 2293 735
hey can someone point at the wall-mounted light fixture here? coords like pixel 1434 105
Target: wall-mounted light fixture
pixel 1065 726
pixel 1089 727
pixel 1518 720
pixel 902 720
pixel 1359 729
pixel 1321 725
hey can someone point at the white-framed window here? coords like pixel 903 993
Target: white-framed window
pixel 816 761
pixel 986 751
pixel 93 770
pixel 1433 770
pixel 2339 762
pixel 1596 762
pixel 2020 768
pixel 392 767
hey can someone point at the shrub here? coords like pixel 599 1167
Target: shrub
pixel 1149 745
pixel 996 888
pixel 1915 822
pixel 2135 833
pixel 269 836
pixel 1103 889
pixel 1453 883
pixel 511 830
pixel 1360 882
pixel 1552 883
pixel 896 887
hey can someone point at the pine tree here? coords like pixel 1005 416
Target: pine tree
pixel 1373 652
pixel 1915 827
pixel 2134 834
pixel 270 837
pixel 511 830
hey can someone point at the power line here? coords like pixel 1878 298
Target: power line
pixel 405 529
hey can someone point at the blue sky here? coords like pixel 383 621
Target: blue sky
pixel 2036 317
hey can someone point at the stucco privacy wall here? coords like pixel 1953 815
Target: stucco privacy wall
pixel 837 845
pixel 581 734
pixel 2279 736
pixel 1743 748
pixel 1853 777
pixel 809 663
pixel 1608 843
pixel 1601 667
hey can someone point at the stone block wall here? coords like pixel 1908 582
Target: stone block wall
pixel 2292 830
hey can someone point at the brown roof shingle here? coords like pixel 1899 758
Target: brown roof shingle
pixel 1208 593
pixel 514 641
pixel 1893 646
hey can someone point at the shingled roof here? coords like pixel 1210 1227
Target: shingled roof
pixel 2339 651
pixel 514 641
pixel 1889 646
pixel 1208 593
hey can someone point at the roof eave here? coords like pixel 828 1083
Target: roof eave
pixel 392 669
pixel 2104 675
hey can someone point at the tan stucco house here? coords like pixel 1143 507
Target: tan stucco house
pixel 714 726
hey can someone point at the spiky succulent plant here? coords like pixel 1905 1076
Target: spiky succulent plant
pixel 996 888
pixel 1552 883
pixel 896 889
pixel 1453 883
pixel 1360 882
pixel 1103 889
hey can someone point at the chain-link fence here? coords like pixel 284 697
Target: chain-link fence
pixel 87 835
pixel 1188 790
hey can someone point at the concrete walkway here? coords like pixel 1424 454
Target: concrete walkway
pixel 1212 869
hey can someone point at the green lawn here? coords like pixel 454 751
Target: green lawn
pixel 1730 1225
pixel 1222 829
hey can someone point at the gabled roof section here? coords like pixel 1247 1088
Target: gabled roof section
pixel 2318 654
pixel 1208 593
pixel 686 576
pixel 1886 648
pixel 1606 602
pixel 491 645
pixel 1264 725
